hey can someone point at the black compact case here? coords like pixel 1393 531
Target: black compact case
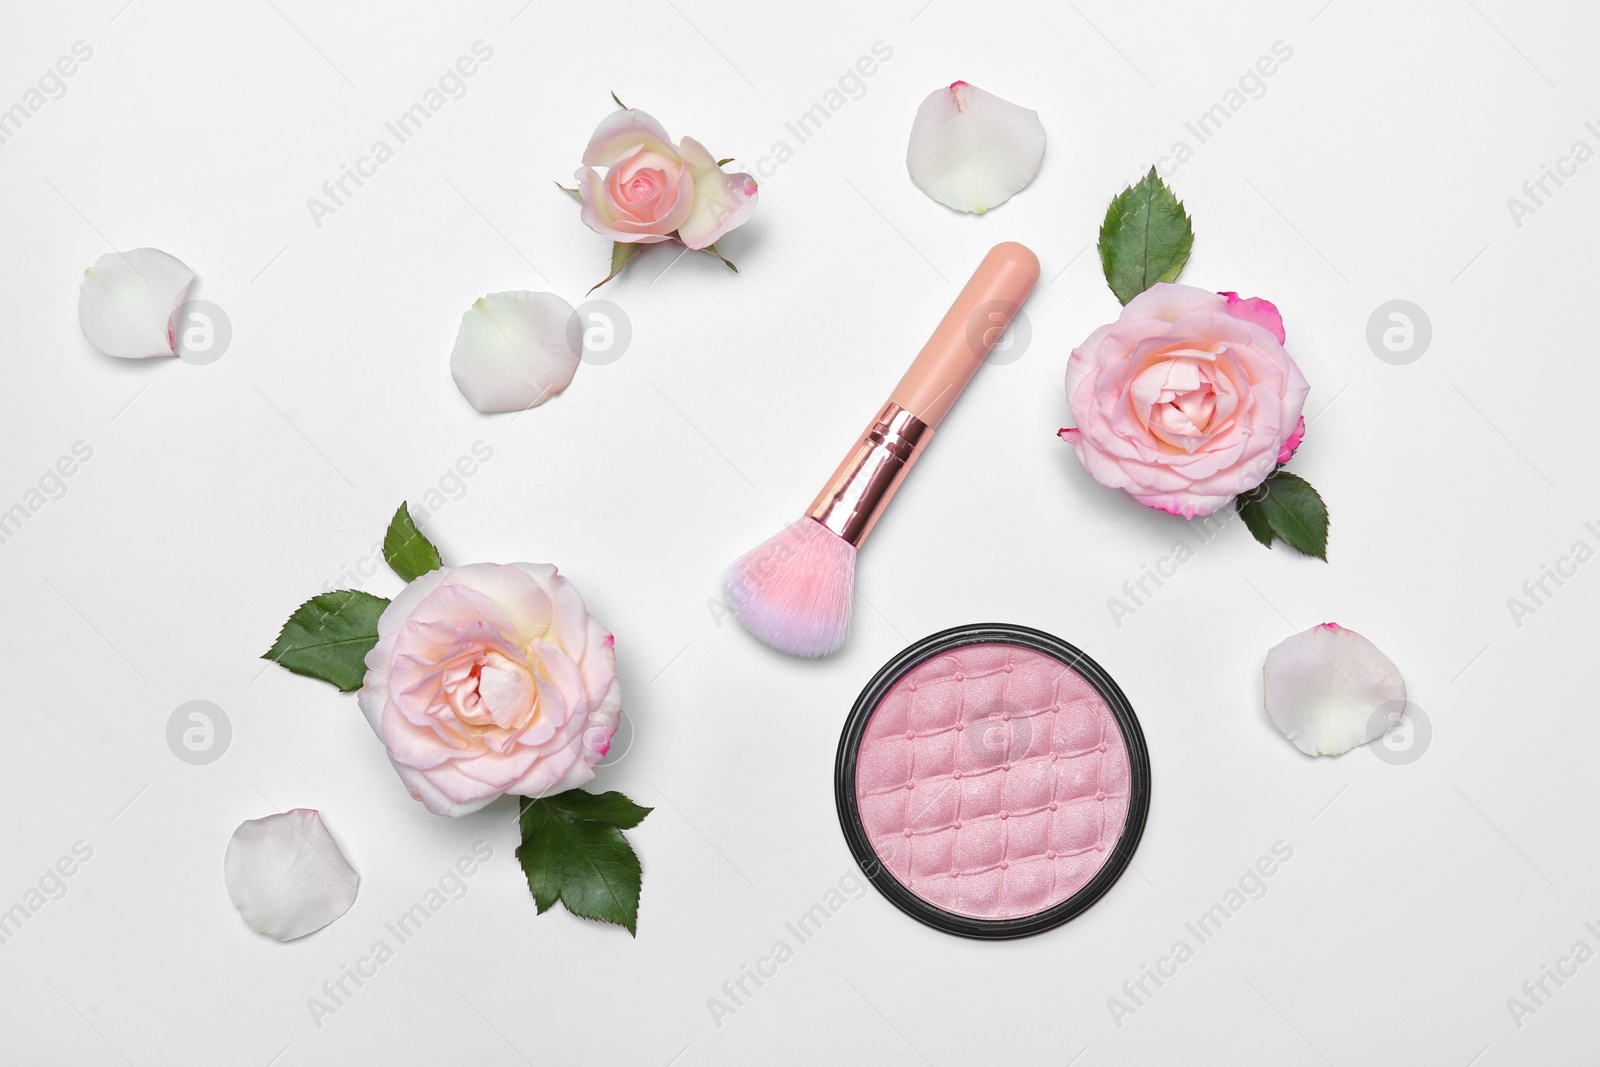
pixel 850 818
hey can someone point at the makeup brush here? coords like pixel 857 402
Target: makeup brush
pixel 794 591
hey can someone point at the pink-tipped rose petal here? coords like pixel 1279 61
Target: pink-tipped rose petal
pixel 1262 312
pixel 722 201
pixel 971 150
pixel 286 876
pixel 128 303
pixel 1325 687
pixel 1286 453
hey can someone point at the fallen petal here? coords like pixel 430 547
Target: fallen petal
pixel 1325 687
pixel 515 350
pixel 128 303
pixel 286 876
pixel 971 150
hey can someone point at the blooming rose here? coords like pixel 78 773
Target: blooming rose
pixel 655 191
pixel 491 679
pixel 1187 400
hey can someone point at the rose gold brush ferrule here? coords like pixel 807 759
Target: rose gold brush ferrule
pixel 867 479
pixel 865 482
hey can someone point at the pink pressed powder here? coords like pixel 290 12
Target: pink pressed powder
pixel 991 781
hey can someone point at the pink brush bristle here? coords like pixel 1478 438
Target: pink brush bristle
pixel 793 591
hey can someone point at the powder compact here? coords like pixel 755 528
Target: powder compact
pixel 992 781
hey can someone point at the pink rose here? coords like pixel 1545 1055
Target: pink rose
pixel 653 190
pixel 491 679
pixel 1187 400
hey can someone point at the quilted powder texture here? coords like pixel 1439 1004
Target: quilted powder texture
pixel 993 781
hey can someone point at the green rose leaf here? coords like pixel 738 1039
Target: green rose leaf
pixel 1285 507
pixel 1255 518
pixel 573 851
pixel 622 254
pixel 1146 238
pixel 408 553
pixel 328 637
pixel 574 193
pixel 619 102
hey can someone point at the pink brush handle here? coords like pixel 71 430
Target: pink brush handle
pixel 968 331
pixel 861 487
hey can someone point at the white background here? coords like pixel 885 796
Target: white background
pixel 1376 166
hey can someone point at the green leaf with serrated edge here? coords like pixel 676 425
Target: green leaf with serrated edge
pixel 724 162
pixel 622 253
pixel 1146 238
pixel 611 808
pixel 573 851
pixel 408 553
pixel 725 260
pixel 619 102
pixel 1291 510
pixel 328 637
pixel 1255 518
pixel 1299 517
pixel 570 192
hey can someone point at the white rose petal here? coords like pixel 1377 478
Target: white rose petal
pixel 286 876
pixel 128 303
pixel 1324 689
pixel 515 350
pixel 971 150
